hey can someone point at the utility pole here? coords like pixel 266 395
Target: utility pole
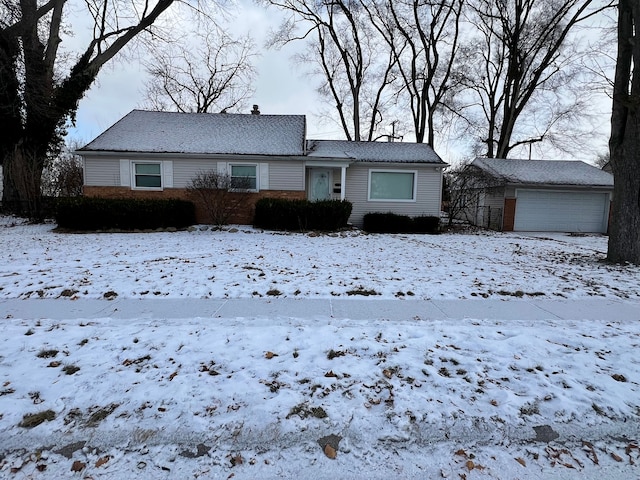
pixel 393 131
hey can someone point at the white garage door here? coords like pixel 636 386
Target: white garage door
pixel 544 211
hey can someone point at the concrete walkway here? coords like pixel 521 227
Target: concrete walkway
pixel 356 309
pixel 134 446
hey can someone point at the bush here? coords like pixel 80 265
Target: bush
pixel 279 214
pixel 301 215
pixel 426 224
pixel 88 213
pixel 329 215
pixel 220 195
pixel 394 223
pixel 386 223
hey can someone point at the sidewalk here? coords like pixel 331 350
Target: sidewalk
pixel 355 309
pixel 181 388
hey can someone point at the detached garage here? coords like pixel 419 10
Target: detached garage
pixel 547 196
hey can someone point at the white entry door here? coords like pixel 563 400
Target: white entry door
pixel 319 184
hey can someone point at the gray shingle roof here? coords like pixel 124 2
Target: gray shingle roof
pixel 547 172
pixel 212 133
pixel 373 151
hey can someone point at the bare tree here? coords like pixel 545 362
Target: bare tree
pixel 220 194
pixel 466 183
pixel 63 175
pixel 521 70
pixel 37 98
pixel 348 55
pixel 624 232
pixel 423 38
pixel 210 72
pixel 602 160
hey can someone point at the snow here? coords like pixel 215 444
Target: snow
pixel 203 133
pixel 522 366
pixel 249 263
pixel 545 172
pixel 397 152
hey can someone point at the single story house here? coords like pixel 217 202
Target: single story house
pixel 540 196
pixel 156 155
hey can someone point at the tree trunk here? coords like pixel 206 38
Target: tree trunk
pixel 10 195
pixel 624 145
pixel 624 232
pixel 35 103
pixel 22 172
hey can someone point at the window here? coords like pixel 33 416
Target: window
pixel 244 177
pixel 397 186
pixel 147 175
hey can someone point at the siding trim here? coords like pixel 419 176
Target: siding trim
pixel 125 173
pixel 263 176
pixel 167 174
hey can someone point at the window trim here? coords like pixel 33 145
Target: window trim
pixel 134 175
pixel 393 200
pixel 243 164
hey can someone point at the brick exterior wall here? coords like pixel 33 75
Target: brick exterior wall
pixel 244 215
pixel 509 214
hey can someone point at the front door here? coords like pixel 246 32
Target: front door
pixel 319 184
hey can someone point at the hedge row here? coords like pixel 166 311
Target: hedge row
pixel 394 223
pixel 88 213
pixel 301 215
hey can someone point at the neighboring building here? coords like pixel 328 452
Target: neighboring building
pixel 156 154
pixel 540 195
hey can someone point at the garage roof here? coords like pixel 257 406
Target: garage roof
pixel 544 172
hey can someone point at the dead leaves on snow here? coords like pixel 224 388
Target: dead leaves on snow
pixel 590 451
pixel 469 464
pixel 631 449
pixel 616 457
pixel 236 460
pixel 562 457
pixel 330 452
pixel 329 445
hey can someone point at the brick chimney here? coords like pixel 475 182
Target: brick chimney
pixel 255 110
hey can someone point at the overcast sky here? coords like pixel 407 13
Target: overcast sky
pixel 282 86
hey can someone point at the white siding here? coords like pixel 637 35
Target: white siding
pixel 287 175
pixel 493 214
pixel 185 169
pixel 494 198
pixel 102 172
pixel 428 192
pixel 178 173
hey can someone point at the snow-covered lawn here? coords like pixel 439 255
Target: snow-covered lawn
pixel 264 397
pixel 249 263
